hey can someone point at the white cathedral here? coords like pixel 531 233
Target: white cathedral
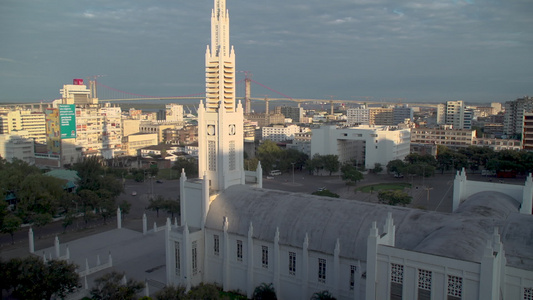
pixel 238 235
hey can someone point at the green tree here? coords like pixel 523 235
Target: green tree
pixel 204 291
pixel 394 197
pixel 323 295
pixel 189 164
pixel 40 195
pixel 264 292
pixel 444 158
pixel 396 166
pixel 110 286
pixel 40 220
pixel 350 173
pixel 11 224
pixel 377 168
pixel 68 219
pixel 125 207
pixel 157 204
pixel 31 278
pixel 269 154
pixel 172 207
pixel 250 164
pixel 171 292
pixel 314 164
pixel 331 163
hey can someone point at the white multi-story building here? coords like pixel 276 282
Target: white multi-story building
pixel 239 236
pixel 173 112
pixel 17 146
pixel 368 145
pixel 456 114
pixel 32 123
pixel 302 142
pixel 278 133
pixel 358 116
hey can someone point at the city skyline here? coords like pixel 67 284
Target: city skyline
pixel 433 51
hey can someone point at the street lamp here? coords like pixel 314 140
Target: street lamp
pixel 292 172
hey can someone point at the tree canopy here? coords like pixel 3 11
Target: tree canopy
pixel 31 278
pixel 394 197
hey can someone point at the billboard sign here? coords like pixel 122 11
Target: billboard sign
pixel 67 121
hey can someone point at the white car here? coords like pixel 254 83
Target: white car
pixel 134 193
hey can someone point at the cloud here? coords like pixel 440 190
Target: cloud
pixel 7 60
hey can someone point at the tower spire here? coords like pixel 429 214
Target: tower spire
pixel 220 121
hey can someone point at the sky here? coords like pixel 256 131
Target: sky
pixel 388 50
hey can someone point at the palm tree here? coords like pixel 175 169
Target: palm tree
pixel 323 295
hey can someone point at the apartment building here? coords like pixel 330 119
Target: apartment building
pixel 279 133
pixel 32 123
pixel 368 145
pixel 445 135
pixel 514 114
pixel 17 146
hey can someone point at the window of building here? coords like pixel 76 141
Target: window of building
pixel 264 256
pixel 194 258
pixel 216 244
pixel 528 293
pixel 396 278
pixel 232 155
pixel 424 284
pixel 211 150
pixel 455 287
pixel 292 263
pixel 177 263
pixel 239 250
pixel 352 276
pixel 321 270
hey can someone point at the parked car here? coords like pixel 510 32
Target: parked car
pixel 134 193
pixel 159 181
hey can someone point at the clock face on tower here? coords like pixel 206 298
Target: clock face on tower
pixel 210 129
pixel 232 129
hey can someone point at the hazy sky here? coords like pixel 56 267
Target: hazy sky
pixel 416 50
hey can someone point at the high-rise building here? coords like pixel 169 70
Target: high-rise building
pixel 294 113
pixel 514 114
pixel 172 113
pixel 358 116
pixel 401 113
pixel 77 93
pixel 456 114
pixel 220 119
pixel 32 123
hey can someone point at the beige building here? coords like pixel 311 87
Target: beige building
pixel 158 127
pixel 498 144
pixel 527 132
pixel 32 123
pixel 133 142
pixel 443 136
pixel 130 126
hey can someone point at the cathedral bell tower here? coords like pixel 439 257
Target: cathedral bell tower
pixel 220 119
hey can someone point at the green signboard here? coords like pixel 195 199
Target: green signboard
pixel 67 121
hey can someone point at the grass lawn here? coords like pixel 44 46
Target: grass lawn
pixel 383 186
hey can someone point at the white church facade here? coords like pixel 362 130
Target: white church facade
pixel 238 235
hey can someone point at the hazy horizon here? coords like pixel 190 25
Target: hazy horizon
pixel 378 50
